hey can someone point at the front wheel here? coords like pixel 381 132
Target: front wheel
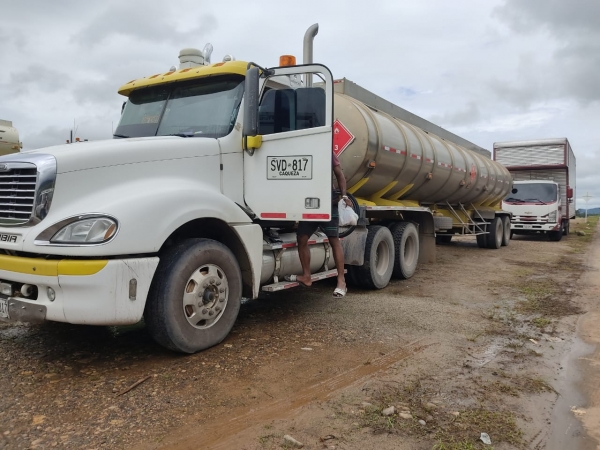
pixel 556 236
pixel 195 296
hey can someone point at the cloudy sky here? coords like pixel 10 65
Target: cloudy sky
pixel 493 70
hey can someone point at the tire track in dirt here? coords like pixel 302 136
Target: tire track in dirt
pixel 216 436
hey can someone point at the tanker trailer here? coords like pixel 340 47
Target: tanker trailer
pixel 9 138
pixel 404 171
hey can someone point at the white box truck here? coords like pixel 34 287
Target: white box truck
pixel 193 205
pixel 542 199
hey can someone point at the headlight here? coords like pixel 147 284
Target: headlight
pixel 87 231
pixel 552 216
pixel 84 229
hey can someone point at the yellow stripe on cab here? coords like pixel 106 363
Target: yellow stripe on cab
pixel 51 267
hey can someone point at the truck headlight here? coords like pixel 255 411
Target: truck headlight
pixel 84 229
pixel 552 217
pixel 87 231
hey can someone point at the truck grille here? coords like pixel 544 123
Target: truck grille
pixel 17 195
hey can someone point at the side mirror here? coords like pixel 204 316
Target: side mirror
pixel 251 102
pixel 569 192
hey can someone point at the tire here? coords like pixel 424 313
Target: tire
pixel 205 268
pixel 406 249
pixel 442 223
pixel 556 236
pixel 567 228
pixel 443 238
pixel 496 231
pixel 347 231
pixel 376 271
pixel 506 233
pixel 482 238
pixel 352 276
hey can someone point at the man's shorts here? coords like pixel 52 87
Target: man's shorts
pixel 331 228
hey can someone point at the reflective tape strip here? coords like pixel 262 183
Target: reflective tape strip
pixel 271 215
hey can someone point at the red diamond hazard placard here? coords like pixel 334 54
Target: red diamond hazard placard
pixel 342 138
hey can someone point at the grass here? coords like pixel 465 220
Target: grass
pixel 541 322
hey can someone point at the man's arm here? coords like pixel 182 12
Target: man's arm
pixel 341 181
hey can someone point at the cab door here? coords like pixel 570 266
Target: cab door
pixel 289 176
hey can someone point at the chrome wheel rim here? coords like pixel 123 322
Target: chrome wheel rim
pixel 205 297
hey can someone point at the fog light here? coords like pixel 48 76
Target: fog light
pixel 6 289
pixel 51 294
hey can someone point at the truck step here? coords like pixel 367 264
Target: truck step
pixel 290 284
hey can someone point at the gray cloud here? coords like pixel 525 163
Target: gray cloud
pixel 150 22
pixel 469 115
pixel 571 31
pixel 36 77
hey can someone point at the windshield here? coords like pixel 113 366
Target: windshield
pixel 202 108
pixel 532 193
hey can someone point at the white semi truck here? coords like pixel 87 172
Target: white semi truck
pixel 193 206
pixel 542 200
pixel 9 138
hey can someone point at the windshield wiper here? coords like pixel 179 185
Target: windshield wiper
pixel 184 134
pixel 512 199
pixel 536 200
pixel 120 136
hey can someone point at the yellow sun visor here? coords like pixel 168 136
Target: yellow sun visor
pixel 221 68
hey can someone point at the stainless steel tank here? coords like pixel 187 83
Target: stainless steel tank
pixel 439 170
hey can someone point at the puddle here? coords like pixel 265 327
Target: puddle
pixel 567 431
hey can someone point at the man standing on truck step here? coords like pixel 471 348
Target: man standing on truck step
pixel 331 230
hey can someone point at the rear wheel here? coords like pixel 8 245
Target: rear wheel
pixel 352 276
pixel 494 237
pixel 406 248
pixel 482 238
pixel 195 296
pixel 376 271
pixel 506 234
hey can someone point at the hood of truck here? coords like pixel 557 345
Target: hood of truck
pixel 115 152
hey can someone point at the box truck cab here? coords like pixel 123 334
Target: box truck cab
pixel 536 208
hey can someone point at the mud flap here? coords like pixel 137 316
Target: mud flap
pixel 354 246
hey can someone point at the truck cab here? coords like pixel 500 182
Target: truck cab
pixel 536 208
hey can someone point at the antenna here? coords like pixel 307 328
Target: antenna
pixel 586 198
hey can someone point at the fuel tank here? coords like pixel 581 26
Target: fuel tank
pixel 401 161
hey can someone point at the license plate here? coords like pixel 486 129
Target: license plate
pixel 3 308
pixel 528 227
pixel 289 167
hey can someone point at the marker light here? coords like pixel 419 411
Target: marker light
pixel 287 60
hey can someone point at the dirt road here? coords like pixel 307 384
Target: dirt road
pixel 474 343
